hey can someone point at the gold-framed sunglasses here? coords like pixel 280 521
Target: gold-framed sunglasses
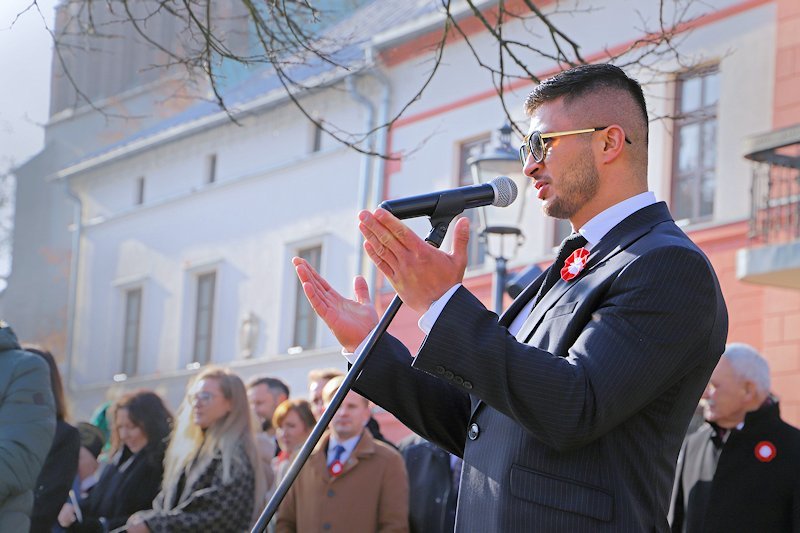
pixel 533 143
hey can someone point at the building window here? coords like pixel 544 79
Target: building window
pixel 316 137
pixel 476 253
pixel 130 340
pixel 204 317
pixel 305 320
pixel 138 198
pixel 211 168
pixel 695 142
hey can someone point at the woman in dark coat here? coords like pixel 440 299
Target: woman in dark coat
pixel 141 425
pixel 61 464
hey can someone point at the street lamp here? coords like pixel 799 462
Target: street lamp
pixel 500 228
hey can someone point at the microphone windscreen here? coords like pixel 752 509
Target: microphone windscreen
pixel 505 191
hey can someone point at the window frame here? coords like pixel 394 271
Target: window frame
pixel 301 305
pixel 702 117
pixel 208 321
pixel 139 191
pixel 211 168
pixel 130 358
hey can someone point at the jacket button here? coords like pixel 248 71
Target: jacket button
pixel 458 380
pixel 467 384
pixel 440 369
pixel 326 526
pixel 474 431
pixel 331 493
pixel 448 375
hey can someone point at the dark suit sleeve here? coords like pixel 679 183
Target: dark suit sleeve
pixel 432 408
pixel 655 316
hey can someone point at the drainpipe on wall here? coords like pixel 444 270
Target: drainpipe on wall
pixel 381 147
pixel 73 280
pixel 365 168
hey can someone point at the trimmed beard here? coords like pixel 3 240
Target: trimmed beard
pixel 575 190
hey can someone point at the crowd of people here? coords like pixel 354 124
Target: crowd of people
pixel 204 469
pixel 567 413
pixel 211 466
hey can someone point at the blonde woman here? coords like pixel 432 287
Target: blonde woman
pixel 212 477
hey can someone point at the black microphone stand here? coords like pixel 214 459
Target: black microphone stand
pixel 448 207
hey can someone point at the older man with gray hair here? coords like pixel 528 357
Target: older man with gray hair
pixel 740 471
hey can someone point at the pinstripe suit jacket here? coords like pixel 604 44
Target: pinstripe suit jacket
pixel 577 425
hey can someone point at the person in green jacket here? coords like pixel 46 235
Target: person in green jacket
pixel 27 426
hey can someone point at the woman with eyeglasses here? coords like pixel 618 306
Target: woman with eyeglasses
pixel 212 477
pixel 140 427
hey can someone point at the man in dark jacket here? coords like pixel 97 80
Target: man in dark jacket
pixel 741 470
pixel 27 425
pixel 433 477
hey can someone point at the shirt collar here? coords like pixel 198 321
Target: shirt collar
pixel 600 224
pixel 349 445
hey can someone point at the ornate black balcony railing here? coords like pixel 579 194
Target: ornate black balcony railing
pixel 775 189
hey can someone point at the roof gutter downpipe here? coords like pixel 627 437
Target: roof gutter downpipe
pixel 72 295
pixel 365 169
pixel 382 146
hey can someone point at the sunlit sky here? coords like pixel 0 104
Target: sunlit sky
pixel 25 50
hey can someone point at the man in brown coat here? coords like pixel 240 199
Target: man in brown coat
pixel 351 482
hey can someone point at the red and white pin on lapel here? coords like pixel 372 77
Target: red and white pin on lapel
pixel 336 468
pixel 765 451
pixel 574 264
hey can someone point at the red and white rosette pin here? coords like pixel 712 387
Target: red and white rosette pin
pixel 765 451
pixel 574 264
pixel 336 468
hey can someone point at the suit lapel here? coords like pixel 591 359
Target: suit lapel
pixel 364 448
pixel 620 237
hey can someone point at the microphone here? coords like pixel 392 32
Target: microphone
pixel 500 192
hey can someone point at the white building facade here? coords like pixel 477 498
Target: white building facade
pixel 186 234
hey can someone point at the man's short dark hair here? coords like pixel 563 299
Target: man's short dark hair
pixel 275 385
pixel 582 80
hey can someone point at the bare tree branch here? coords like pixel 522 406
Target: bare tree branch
pixel 287 37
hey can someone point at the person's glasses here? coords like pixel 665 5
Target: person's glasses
pixel 201 397
pixel 534 145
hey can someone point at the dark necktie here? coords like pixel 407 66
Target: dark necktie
pixel 335 467
pixel 338 450
pixel 570 244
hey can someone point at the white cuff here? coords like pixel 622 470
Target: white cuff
pixel 427 320
pixel 351 357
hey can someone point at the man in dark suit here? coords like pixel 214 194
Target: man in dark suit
pixel 741 470
pixel 570 410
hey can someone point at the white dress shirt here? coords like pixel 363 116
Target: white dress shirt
pixel 349 445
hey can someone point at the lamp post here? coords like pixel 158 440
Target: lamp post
pixel 500 228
